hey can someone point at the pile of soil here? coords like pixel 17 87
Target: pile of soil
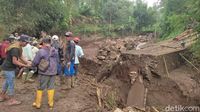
pixel 163 89
pixel 111 49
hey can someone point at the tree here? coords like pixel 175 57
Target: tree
pixel 143 17
pixel 174 19
pixel 30 16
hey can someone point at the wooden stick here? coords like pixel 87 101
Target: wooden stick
pixel 154 109
pixel 136 108
pixel 99 96
pixel 166 66
pixel 168 46
pixel 145 97
pixel 189 62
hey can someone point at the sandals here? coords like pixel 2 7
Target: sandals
pixel 2 98
pixel 13 102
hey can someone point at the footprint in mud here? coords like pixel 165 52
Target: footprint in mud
pixel 24 90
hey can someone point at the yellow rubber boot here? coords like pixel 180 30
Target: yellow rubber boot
pixel 51 97
pixel 38 99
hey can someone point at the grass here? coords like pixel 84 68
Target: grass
pixel 111 100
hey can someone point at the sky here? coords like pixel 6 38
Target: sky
pixel 151 2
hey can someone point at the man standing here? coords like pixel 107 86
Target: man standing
pixel 46 77
pixel 56 43
pixel 13 59
pixel 78 54
pixel 28 55
pixel 69 57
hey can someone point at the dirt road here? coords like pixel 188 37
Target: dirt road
pixel 82 98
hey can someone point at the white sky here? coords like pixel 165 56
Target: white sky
pixel 151 2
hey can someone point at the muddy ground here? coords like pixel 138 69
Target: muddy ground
pixel 82 98
pixel 107 68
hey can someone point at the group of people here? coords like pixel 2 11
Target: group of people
pixel 62 55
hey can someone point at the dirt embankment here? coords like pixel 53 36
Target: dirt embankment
pixel 165 75
pixel 159 82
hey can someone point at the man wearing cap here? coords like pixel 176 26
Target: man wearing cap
pixel 56 43
pixel 69 57
pixel 46 77
pixel 78 54
pixel 12 38
pixel 14 58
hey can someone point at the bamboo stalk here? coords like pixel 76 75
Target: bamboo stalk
pixel 189 62
pixel 99 96
pixel 139 109
pixel 166 66
pixel 145 97
pixel 168 46
pixel 155 110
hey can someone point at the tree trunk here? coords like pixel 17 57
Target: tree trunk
pixel 110 22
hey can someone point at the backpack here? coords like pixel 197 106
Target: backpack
pixel 44 64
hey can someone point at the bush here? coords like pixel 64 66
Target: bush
pixel 195 48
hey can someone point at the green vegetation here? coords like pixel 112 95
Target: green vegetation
pixel 105 17
pixel 111 100
pixel 177 16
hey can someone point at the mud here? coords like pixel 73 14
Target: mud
pixel 82 98
pixel 178 84
pixel 169 80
